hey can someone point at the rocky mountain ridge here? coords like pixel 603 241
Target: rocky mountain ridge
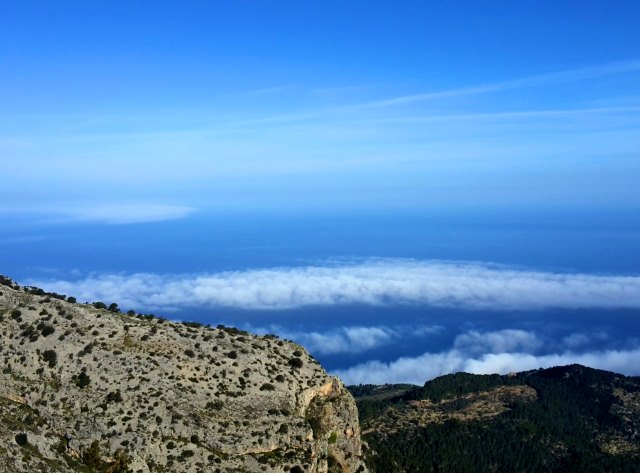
pixel 86 388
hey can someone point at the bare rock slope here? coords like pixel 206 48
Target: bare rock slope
pixel 89 389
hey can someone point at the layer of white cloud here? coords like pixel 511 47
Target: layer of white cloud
pixel 499 341
pixel 378 282
pixel 351 339
pixel 347 339
pixel 486 356
pixel 580 339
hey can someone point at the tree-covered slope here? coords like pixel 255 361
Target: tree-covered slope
pixel 564 419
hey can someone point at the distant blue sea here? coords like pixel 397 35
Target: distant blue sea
pixel 606 243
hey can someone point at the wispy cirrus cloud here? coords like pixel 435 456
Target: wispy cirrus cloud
pixel 466 285
pixel 492 352
pixel 269 90
pixel 515 116
pixel 286 153
pixel 559 77
pixel 540 80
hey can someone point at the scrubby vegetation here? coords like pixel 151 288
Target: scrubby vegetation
pixel 88 388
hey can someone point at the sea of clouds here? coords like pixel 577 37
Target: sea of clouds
pixel 465 285
pixel 500 351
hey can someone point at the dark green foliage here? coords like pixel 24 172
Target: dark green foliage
pixel 232 354
pixel 373 399
pixel 21 439
pixel 51 357
pixel 115 396
pixel 192 324
pixel 190 353
pixel 71 299
pixel 82 380
pixel 232 330
pixel 296 469
pixel 47 330
pixel 113 307
pixel 86 350
pixel 5 281
pixel 120 462
pixel 99 305
pixel 459 384
pixel 267 387
pixel 91 456
pixel 560 431
pixel 296 362
pixel 36 291
pixel 215 405
pixel 30 332
pixel 15 314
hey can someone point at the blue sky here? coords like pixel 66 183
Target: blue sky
pixel 406 188
pixel 175 107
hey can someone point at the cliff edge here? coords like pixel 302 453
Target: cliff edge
pixel 84 388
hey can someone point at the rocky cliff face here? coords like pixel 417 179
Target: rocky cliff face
pixel 87 389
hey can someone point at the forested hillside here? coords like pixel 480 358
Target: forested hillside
pixel 563 419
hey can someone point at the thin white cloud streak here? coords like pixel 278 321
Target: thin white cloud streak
pixel 511 116
pixel 561 77
pixel 485 359
pixel 463 285
pixel 120 214
pixel 268 90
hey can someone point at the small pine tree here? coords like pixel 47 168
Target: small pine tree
pixel 120 462
pixel 91 456
pixel 83 380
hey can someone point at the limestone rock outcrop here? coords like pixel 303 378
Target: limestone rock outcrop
pixel 87 389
